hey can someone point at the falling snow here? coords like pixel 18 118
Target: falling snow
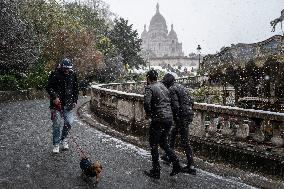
pixel 238 93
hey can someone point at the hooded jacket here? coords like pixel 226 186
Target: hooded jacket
pixel 157 102
pixel 65 87
pixel 181 102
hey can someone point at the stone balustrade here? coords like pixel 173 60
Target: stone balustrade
pixel 244 131
pixel 124 110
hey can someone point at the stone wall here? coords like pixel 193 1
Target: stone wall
pixel 122 110
pixel 128 107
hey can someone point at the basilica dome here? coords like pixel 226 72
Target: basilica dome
pixel 172 33
pixel 144 33
pixel 158 22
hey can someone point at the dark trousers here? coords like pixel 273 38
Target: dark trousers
pixel 158 136
pixel 181 127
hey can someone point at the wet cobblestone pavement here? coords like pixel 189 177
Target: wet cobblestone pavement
pixel 27 161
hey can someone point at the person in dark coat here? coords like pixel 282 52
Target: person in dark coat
pixel 62 88
pixel 158 108
pixel 181 104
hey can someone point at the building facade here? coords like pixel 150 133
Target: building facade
pixel 161 47
pixel 158 41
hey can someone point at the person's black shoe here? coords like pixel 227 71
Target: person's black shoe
pixel 166 160
pixel 153 174
pixel 189 170
pixel 175 170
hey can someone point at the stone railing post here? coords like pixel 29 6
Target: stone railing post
pixel 278 130
pixel 198 124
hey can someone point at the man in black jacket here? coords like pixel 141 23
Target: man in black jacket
pixel 63 90
pixel 181 104
pixel 157 107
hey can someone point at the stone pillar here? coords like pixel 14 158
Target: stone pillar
pixel 259 135
pixel 226 130
pixel 139 114
pixel 125 112
pixel 277 138
pixel 242 131
pixel 197 127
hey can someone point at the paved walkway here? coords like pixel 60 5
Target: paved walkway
pixel 26 160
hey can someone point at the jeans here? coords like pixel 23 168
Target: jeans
pixel 181 127
pixel 56 117
pixel 158 136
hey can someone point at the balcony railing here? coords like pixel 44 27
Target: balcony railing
pixel 255 132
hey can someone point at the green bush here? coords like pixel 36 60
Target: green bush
pixel 207 94
pixel 37 78
pixel 8 83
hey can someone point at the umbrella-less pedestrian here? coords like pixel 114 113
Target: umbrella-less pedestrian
pixel 157 107
pixel 63 90
pixel 181 104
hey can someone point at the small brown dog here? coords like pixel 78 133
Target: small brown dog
pixel 91 169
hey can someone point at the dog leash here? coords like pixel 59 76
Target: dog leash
pixel 79 149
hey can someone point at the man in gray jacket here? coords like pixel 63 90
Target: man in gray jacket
pixel 157 107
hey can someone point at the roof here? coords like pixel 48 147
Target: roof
pixel 242 53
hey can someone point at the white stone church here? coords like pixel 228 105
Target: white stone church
pixel 158 40
pixel 161 47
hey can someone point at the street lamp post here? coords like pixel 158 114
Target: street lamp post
pixel 199 52
pixel 148 59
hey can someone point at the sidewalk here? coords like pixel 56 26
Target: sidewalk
pixel 27 161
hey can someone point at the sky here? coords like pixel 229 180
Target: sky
pixel 211 23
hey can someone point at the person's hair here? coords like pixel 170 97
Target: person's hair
pixel 152 75
pixel 168 80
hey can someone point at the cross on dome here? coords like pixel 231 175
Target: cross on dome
pixel 157 8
